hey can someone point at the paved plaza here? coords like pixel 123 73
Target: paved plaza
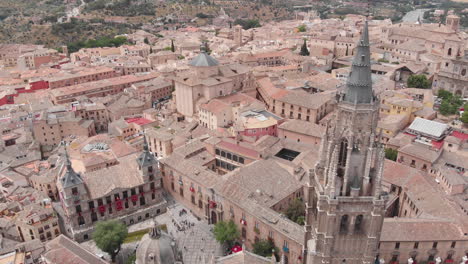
pixel 194 237
pixel 196 240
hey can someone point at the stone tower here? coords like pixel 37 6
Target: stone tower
pixel 238 35
pixel 147 164
pixel 453 22
pixel 345 205
pixel 72 188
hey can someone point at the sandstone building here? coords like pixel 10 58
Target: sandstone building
pixel 129 191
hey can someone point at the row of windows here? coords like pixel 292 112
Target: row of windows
pixel 225 165
pixel 434 245
pixel 94 217
pixel 230 156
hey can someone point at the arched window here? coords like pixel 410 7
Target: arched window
pixel 358 224
pixel 343 152
pixel 81 220
pixel 344 224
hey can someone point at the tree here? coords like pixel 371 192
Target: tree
pixel 391 154
pixel 450 103
pixel 304 51
pixel 444 94
pixel 295 210
pixel 146 41
pixel 464 117
pixel 419 81
pixel 172 45
pixel 445 108
pixel 302 28
pixel 226 232
pixel 109 236
pixel 264 248
pixel 247 24
pixel 131 259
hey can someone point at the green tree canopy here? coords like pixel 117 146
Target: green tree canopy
pixel 97 43
pixel 444 94
pixel 419 81
pixel 302 28
pixel 304 51
pixel 226 232
pixel 109 236
pixel 450 103
pixel 247 24
pixel 391 154
pixel 265 248
pixel 296 211
pixel 464 117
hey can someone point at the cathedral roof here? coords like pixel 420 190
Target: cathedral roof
pixel 359 83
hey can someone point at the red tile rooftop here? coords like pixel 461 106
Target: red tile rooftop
pixel 238 149
pixel 460 135
pixel 437 144
pixel 138 120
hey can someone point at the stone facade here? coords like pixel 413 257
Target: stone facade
pixel 453 76
pixel 132 196
pixel 37 222
pixel 50 129
pixel 345 207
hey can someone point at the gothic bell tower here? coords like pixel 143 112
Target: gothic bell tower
pixel 345 205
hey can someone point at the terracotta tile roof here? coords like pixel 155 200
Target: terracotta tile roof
pixel 405 229
pixel 90 87
pixel 420 151
pixel 243 257
pixel 295 97
pixel 303 127
pixel 236 148
pixel 62 250
pixel 422 189
pixel 124 175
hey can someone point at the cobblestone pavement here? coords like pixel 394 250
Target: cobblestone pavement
pixel 195 238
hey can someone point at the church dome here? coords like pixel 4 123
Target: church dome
pixel 157 247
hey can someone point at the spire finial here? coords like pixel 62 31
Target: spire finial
pixel 145 143
pixel 67 157
pixel 368 9
pixel 204 46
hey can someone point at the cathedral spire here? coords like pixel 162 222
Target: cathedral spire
pixel 359 83
pixel 70 178
pixel 146 158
